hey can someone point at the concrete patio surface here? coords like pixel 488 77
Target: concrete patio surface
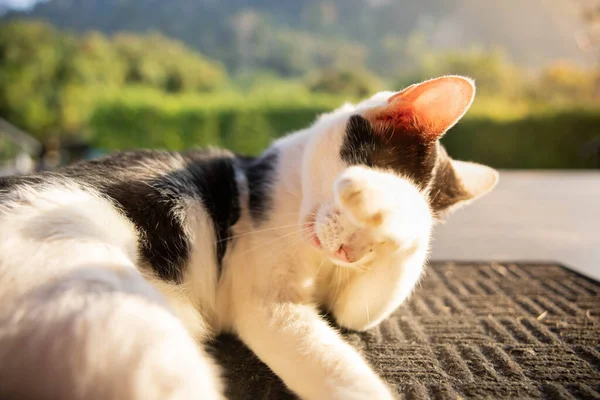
pixel 530 216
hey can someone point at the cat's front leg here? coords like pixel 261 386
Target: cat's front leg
pixel 395 215
pixel 306 353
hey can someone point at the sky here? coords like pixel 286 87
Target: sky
pixel 17 4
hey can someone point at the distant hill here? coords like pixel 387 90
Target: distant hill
pixel 290 37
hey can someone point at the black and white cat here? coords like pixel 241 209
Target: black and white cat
pixel 112 271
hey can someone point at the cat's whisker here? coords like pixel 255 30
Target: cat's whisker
pixel 320 266
pixel 312 213
pixel 337 284
pixel 293 243
pixel 267 229
pixel 257 231
pixel 285 246
pixel 288 213
pixel 286 238
pixel 269 242
pixel 360 267
pixel 298 232
pixel 363 269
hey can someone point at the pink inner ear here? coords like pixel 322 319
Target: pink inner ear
pixel 430 108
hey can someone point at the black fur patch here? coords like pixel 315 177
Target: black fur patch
pixel 260 173
pixel 216 181
pixel 446 188
pixel 164 244
pixel 406 153
pixel 153 188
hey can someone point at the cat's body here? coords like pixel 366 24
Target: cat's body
pixel 337 216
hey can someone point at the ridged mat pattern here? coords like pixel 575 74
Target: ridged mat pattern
pixel 472 330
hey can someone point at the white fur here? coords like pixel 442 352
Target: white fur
pixel 77 320
pixel 78 317
pixel 274 289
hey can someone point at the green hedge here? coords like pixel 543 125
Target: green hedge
pixel 551 139
pixel 249 131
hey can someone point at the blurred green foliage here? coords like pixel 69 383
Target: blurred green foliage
pixel 492 70
pixel 246 124
pixel 564 83
pixel 352 82
pixel 130 90
pixel 167 64
pixel 537 137
pixel 559 139
pixel 50 81
pixel 31 54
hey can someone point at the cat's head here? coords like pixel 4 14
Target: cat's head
pixel 397 132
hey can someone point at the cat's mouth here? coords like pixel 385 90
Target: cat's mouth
pixel 339 256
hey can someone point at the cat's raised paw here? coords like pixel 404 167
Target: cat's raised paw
pixel 357 197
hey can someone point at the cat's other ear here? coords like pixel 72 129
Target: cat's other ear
pixel 458 183
pixel 428 109
pixel 476 179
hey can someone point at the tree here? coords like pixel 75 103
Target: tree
pixel 32 58
pixel 353 82
pixel 51 81
pixel 566 83
pixel 169 66
pixel 250 133
pixel 590 40
pixel 492 71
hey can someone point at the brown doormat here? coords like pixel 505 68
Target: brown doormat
pixel 472 330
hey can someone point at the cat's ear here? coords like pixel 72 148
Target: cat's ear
pixel 428 109
pixel 457 183
pixel 476 179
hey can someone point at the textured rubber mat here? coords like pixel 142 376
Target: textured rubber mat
pixel 472 330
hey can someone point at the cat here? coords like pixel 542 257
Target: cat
pixel 113 270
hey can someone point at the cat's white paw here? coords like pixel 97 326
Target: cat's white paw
pixel 360 199
pixel 391 208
